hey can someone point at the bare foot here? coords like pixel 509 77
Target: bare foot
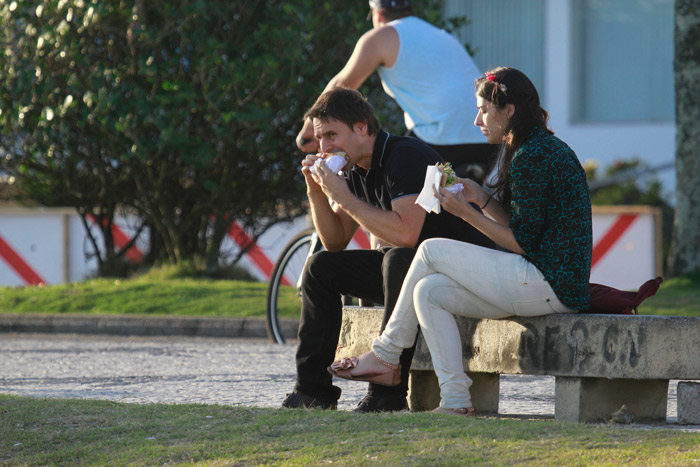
pixel 367 367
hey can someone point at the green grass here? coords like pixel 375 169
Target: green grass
pixel 157 294
pixel 192 297
pixel 161 295
pixel 679 296
pixel 71 432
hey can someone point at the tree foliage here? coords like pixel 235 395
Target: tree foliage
pixel 685 250
pixel 184 112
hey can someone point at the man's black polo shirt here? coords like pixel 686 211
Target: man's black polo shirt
pixel 398 169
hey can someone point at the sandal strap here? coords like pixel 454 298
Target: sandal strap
pixel 387 364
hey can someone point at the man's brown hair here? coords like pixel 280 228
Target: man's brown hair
pixel 347 106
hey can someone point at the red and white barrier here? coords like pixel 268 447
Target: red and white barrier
pixel 50 246
pixel 31 246
pixel 22 270
pixel 122 235
pixel 261 258
pixel 626 245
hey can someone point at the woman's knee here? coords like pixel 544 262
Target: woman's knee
pixel 425 247
pixel 440 292
pixel 435 247
pixel 424 294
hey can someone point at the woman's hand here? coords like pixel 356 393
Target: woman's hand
pixel 473 191
pixel 458 203
pixel 463 204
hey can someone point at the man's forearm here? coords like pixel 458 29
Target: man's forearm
pixel 327 223
pixel 389 226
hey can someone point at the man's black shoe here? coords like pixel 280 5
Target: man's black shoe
pixel 296 400
pixel 374 402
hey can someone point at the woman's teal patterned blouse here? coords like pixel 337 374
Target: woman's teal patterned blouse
pixel 551 215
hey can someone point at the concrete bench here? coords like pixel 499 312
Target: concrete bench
pixel 600 362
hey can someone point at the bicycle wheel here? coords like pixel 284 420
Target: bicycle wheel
pixel 283 291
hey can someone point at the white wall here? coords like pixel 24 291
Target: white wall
pixel 537 37
pixel 653 142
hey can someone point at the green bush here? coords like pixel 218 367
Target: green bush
pixel 183 112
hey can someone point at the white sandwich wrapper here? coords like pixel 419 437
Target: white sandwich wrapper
pixel 334 163
pixel 426 198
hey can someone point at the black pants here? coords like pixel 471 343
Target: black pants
pixel 374 275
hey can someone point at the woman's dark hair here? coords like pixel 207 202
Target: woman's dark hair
pixel 501 86
pixel 347 106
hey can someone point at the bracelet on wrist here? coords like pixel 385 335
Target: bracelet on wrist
pixel 487 202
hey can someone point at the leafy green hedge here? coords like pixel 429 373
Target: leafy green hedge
pixel 184 112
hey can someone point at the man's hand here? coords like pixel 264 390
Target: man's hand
pixel 305 139
pixel 333 185
pixel 306 164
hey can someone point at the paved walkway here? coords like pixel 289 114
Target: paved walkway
pixel 172 369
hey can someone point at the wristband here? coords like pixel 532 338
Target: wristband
pixel 487 202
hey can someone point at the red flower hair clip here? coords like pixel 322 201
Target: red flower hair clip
pixel 491 77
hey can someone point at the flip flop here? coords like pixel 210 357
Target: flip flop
pixel 342 369
pixel 466 412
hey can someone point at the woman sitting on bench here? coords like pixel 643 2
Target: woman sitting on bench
pixel 539 211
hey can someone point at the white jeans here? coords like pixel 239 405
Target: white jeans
pixel 448 278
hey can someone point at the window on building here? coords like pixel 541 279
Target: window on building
pixel 503 32
pixel 623 60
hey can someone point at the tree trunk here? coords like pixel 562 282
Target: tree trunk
pixel 685 249
pixel 221 225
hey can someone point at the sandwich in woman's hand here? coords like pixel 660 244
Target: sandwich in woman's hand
pixel 448 174
pixel 449 178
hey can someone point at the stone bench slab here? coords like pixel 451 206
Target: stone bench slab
pixel 600 362
pixel 582 345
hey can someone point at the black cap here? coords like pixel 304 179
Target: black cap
pixel 389 4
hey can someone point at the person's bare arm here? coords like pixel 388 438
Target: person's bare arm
pixel 377 47
pixel 474 193
pixel 458 204
pixel 399 227
pixel 334 227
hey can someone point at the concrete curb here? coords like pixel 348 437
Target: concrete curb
pixel 140 325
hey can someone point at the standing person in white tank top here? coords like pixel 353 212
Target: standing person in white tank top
pixel 429 74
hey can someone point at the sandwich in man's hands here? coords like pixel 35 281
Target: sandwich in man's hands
pixel 334 161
